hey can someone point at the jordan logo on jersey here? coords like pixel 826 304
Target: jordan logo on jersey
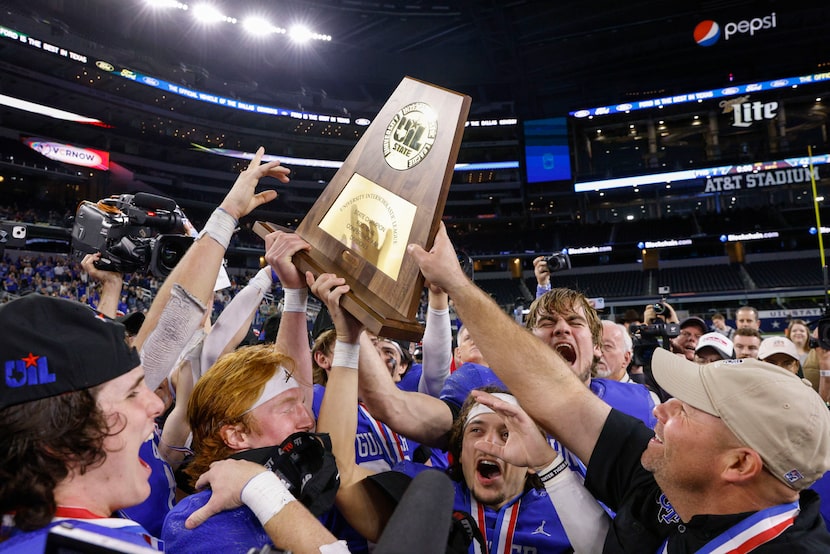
pixel 541 530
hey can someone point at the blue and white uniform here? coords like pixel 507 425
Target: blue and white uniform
pixel 80 518
pixel 377 447
pixel 528 524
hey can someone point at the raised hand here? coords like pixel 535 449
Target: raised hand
pixel 329 288
pixel 280 248
pixel 242 199
pixel 526 446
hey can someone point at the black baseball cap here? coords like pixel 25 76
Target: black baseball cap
pixel 132 322
pixel 50 346
pixel 696 321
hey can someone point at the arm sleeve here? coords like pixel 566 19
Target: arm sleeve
pixel 235 314
pixel 181 317
pixel 437 352
pixel 585 521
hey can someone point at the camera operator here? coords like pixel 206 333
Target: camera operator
pixel 681 339
pixel 544 265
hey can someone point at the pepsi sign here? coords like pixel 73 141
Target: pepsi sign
pixel 708 32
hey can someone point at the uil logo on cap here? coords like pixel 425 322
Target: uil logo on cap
pixel 28 371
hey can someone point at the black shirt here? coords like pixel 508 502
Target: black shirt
pixel 645 518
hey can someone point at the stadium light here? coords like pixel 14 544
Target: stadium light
pixel 166 4
pixel 300 34
pixel 260 27
pixel 206 13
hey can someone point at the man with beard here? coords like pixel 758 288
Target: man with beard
pixel 709 478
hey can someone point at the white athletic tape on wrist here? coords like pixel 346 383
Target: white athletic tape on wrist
pixel 295 300
pixel 266 496
pixel 339 547
pixel 220 227
pixel 345 355
pixel 824 372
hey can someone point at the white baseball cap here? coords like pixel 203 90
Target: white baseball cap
pixel 722 345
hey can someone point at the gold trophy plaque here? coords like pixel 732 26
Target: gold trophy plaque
pixel 389 192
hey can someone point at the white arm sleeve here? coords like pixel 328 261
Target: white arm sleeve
pixel 437 352
pixel 181 317
pixel 585 521
pixel 236 313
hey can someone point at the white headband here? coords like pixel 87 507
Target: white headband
pixel 479 409
pixel 278 384
pixel 393 344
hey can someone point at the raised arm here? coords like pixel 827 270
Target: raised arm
pixel 292 335
pixel 364 509
pixel 182 299
pixel 197 270
pixel 544 385
pixel 112 282
pixel 542 274
pixel 437 344
pixel 420 417
pixel 233 323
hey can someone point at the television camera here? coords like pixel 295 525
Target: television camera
pixel 647 337
pixel 137 232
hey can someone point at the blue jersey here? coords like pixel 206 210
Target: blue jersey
pixel 377 447
pixel 150 513
pixel 114 528
pixel 528 524
pixel 822 487
pixel 236 531
pixel 409 381
pixel 630 398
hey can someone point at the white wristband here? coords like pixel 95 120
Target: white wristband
pixel 557 466
pixel 295 300
pixel 346 354
pixel 339 547
pixel 824 372
pixel 266 495
pixel 220 226
pixel 262 280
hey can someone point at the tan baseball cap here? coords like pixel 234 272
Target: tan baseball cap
pixel 766 407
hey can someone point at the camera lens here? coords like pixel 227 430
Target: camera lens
pixel 170 255
pixel 659 308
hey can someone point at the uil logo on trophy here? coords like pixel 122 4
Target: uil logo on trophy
pixel 410 135
pixel 390 191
